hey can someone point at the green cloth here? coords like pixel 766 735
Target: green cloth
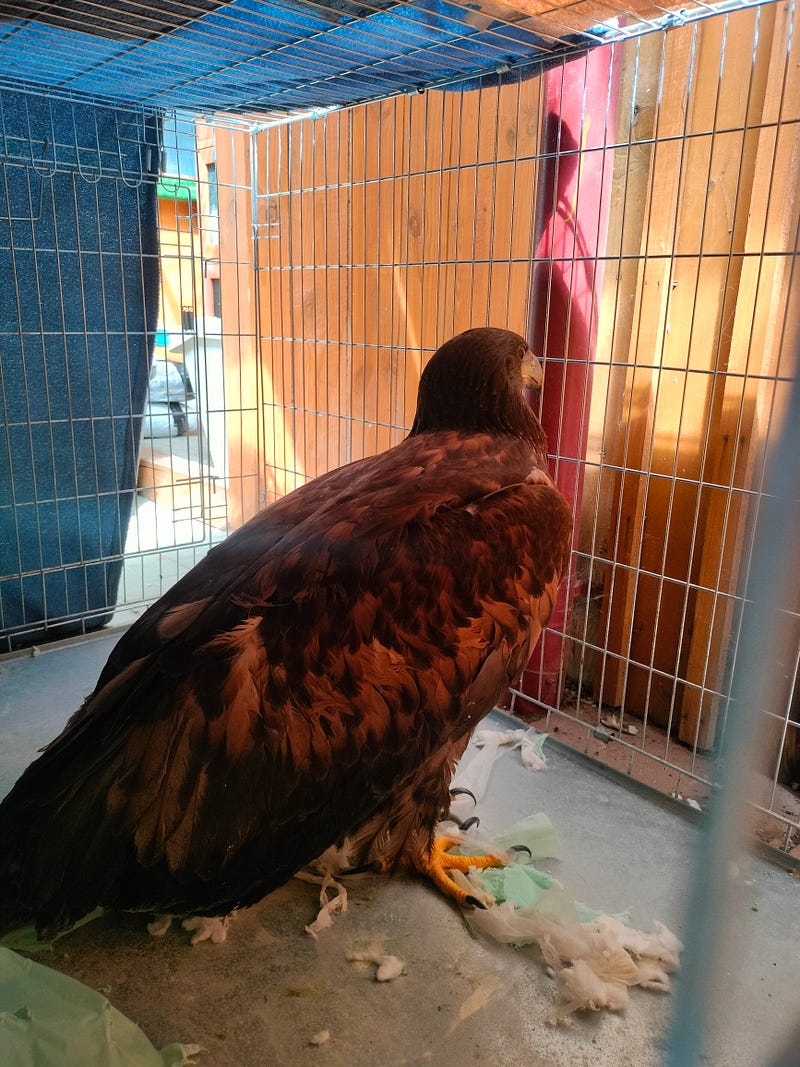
pixel 522 884
pixel 525 886
pixel 50 1020
pixel 537 832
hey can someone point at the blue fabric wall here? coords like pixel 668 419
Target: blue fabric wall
pixel 78 307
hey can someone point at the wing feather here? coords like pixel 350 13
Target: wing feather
pixel 288 686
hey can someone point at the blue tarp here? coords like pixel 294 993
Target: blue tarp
pixel 248 55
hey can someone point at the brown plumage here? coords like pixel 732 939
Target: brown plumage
pixel 314 678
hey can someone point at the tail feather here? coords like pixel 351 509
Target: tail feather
pixel 54 863
pixel 14 912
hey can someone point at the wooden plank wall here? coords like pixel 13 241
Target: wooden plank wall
pixel 382 231
pixel 696 342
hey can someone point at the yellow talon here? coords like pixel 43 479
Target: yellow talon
pixel 438 861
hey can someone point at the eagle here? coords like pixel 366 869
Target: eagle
pixel 313 681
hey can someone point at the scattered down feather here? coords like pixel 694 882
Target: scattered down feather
pixel 525 906
pixel 314 678
pixel 595 962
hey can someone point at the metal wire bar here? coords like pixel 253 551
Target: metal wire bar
pixel 266 60
pixel 773 556
pixel 372 233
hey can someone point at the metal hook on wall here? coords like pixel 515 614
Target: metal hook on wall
pixel 145 153
pixel 94 175
pixel 42 169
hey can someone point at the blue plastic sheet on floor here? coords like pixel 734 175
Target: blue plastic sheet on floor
pixel 50 1020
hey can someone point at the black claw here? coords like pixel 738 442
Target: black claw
pixel 473 902
pixel 457 791
pixel 521 848
pixel 473 820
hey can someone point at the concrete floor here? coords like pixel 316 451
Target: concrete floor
pixel 259 998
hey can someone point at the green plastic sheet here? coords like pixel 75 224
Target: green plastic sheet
pixel 50 1020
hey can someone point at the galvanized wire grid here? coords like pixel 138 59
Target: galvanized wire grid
pixel 76 361
pixel 171 528
pixel 252 56
pixel 381 231
pixel 687 770
pixel 184 478
pixel 348 246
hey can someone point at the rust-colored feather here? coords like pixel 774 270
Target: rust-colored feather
pixel 315 678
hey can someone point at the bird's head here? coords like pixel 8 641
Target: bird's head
pixel 474 383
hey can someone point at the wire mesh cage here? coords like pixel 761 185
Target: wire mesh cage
pixel 631 209
pixel 645 242
pixel 621 189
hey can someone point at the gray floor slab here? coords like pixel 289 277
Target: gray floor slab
pixel 258 999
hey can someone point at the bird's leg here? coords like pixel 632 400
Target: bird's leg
pixel 213 929
pixel 159 926
pixel 437 861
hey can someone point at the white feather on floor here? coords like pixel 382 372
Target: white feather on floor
pixel 595 958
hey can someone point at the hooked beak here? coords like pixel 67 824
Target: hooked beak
pixel 532 372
